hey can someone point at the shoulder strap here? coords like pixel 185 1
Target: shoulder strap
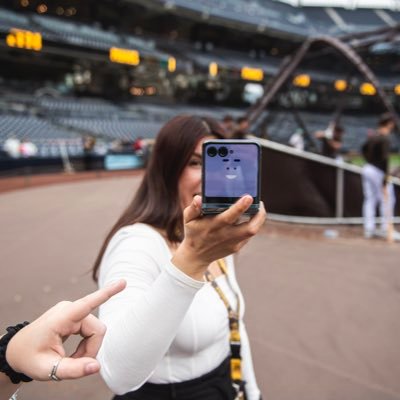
pixel 234 316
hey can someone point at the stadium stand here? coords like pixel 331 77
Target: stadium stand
pixel 70 117
pixel 127 129
pixel 10 19
pixel 74 33
pixel 272 15
pixel 359 18
pixel 72 105
pixel 82 35
pixel 283 124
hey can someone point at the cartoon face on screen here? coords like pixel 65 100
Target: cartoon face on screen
pixel 231 169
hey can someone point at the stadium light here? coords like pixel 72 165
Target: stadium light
pixel 24 40
pixel 171 64
pixel 213 69
pixel 151 91
pixel 124 56
pixel 137 91
pixel 302 80
pixel 340 85
pixel 41 8
pixel 397 89
pixel 367 89
pixel 252 74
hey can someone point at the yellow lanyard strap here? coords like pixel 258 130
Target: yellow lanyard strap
pixel 234 339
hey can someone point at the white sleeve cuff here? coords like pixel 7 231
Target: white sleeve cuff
pixel 182 279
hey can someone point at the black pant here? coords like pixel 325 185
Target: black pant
pixel 216 385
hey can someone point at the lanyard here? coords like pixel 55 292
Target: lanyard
pixel 234 338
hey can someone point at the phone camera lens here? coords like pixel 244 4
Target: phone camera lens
pixel 212 151
pixel 223 151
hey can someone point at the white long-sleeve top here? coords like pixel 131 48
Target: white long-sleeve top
pixel 165 326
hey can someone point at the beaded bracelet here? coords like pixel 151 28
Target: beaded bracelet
pixel 15 377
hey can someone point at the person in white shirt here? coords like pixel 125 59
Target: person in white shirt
pixel 169 335
pixel 297 140
pixel 28 148
pixel 12 147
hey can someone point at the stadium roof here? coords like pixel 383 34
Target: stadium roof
pixel 351 4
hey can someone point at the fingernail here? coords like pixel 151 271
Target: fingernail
pixel 114 284
pixel 92 368
pixel 247 199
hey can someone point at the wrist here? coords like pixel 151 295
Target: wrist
pixel 5 367
pixel 188 263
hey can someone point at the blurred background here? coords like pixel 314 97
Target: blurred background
pixel 86 86
pixel 84 90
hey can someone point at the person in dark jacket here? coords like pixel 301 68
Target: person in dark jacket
pixel 376 186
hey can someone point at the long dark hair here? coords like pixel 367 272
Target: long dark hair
pixel 156 201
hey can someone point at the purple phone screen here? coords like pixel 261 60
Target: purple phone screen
pixel 231 169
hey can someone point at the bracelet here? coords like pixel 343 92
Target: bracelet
pixel 15 377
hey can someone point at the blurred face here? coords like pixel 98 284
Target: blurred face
pixel 387 129
pixel 190 181
pixel 244 125
pixel 391 127
pixel 229 124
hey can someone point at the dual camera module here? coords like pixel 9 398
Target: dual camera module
pixel 213 151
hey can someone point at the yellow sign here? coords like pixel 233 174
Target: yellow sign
pixel 397 89
pixel 302 80
pixel 24 40
pixel 340 85
pixel 252 74
pixel 124 56
pixel 213 69
pixel 367 89
pixel 171 64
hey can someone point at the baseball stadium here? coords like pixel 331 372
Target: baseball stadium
pixel 90 91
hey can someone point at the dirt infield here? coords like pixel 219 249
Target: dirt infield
pixel 322 314
pixel 30 181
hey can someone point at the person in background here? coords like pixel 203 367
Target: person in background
pixel 116 146
pixel 297 140
pixel 377 188
pixel 12 147
pixel 27 148
pixel 36 350
pixel 89 142
pixel 242 129
pixel 139 145
pixel 229 125
pixel 178 328
pixel 331 139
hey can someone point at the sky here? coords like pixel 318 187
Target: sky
pixel 388 4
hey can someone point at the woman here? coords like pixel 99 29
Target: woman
pixel 169 332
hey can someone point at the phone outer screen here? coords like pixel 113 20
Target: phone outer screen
pixel 231 169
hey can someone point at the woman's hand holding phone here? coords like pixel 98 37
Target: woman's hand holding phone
pixel 212 237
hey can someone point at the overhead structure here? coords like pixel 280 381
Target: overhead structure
pixel 378 4
pixel 305 187
pixel 345 45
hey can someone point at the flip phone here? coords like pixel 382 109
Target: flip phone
pixel 231 169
